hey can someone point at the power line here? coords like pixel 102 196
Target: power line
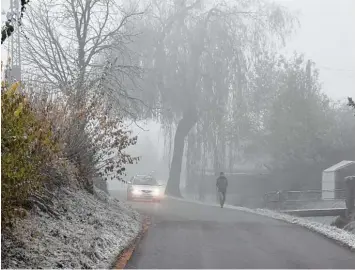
pixel 337 69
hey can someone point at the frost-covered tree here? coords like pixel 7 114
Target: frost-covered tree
pixel 70 52
pixel 197 55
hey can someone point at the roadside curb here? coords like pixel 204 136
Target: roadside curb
pixel 126 254
pixel 339 236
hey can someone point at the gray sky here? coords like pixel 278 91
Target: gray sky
pixel 327 36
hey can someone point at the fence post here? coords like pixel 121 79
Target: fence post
pixel 266 200
pixel 350 194
pixel 279 199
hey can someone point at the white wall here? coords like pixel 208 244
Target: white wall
pixel 328 183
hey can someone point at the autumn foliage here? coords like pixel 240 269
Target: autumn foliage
pixel 41 136
pixel 27 147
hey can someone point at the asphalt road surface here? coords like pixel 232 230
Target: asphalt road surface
pixel 190 235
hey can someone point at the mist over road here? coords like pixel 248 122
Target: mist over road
pixel 190 235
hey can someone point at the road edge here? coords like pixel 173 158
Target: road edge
pixel 125 255
pixel 339 236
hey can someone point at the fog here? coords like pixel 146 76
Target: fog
pixel 329 42
pixel 151 150
pixel 255 89
pixel 178 134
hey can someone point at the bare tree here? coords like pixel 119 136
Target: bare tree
pixel 79 50
pixel 351 102
pixel 67 42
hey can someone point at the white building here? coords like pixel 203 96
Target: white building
pixel 333 179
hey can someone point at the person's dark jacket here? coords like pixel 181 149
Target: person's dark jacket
pixel 222 183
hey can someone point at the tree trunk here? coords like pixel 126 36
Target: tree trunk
pixel 186 123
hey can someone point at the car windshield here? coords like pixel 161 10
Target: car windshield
pixel 145 180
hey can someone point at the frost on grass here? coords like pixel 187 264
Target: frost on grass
pixel 343 237
pixel 91 231
pixel 351 225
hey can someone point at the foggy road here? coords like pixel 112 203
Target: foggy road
pixel 189 235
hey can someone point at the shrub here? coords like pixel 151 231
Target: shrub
pixel 27 146
pixel 98 150
pixel 90 137
pixel 42 136
pixel 110 140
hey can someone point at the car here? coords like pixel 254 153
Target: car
pixel 144 188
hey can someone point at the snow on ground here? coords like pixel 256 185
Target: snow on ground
pixel 322 220
pixel 350 227
pixel 343 237
pixel 91 231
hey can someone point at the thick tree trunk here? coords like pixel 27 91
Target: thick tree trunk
pixel 186 123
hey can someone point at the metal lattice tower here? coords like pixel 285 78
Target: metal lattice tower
pixel 13 67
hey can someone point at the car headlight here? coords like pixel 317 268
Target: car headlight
pixel 156 192
pixel 136 192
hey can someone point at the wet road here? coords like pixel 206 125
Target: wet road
pixel 189 235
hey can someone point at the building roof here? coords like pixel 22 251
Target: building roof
pixel 339 165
